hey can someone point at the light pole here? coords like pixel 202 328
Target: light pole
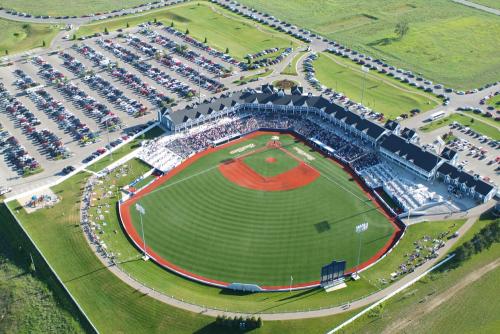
pixel 142 212
pixel 359 230
pixel 366 70
pixel 291 282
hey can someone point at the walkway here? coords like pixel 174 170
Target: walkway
pixel 478 6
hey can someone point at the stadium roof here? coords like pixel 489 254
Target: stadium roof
pixel 410 152
pixel 462 177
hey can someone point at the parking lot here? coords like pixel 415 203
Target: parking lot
pixel 63 108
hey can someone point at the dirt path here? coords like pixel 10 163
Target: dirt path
pixel 423 309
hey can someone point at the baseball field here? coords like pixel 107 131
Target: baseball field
pixel 265 209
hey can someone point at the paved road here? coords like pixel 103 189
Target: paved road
pixel 478 6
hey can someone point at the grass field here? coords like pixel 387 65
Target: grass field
pixel 246 79
pixel 494 101
pixel 64 7
pixel 283 230
pixel 382 94
pixel 291 69
pixel 441 43
pixel 474 123
pixel 17 37
pixel 222 28
pixel 488 3
pixel 465 311
pixel 124 150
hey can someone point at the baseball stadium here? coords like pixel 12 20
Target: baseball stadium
pixel 260 210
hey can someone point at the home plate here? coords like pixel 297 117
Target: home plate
pixel 336 287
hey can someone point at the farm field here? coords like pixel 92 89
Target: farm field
pixel 73 7
pixel 439 44
pixel 16 37
pixel 223 29
pixel 474 123
pixel 289 232
pixel 382 94
pixel 462 310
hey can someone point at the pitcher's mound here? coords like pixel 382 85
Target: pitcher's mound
pixel 270 160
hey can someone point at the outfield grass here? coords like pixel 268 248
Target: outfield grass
pixel 17 37
pixel 464 312
pixel 441 43
pixel 62 7
pixel 222 28
pixel 212 236
pixel 382 94
pixel 474 123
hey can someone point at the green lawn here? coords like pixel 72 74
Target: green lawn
pixel 291 69
pixel 17 37
pixel 382 94
pixel 246 79
pixel 474 123
pixel 125 149
pixel 64 7
pixel 441 43
pixel 286 232
pixel 464 312
pixel 222 28
pixel 488 3
pixel 494 101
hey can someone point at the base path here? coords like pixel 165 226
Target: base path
pixel 238 172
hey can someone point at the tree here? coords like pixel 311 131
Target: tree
pixel 128 25
pixel 6 52
pixel 205 41
pixel 155 20
pixel 187 31
pixel 227 50
pixel 172 24
pixel 106 30
pixel 402 29
pixel 74 36
pixel 43 43
pixel 259 322
pixel 472 120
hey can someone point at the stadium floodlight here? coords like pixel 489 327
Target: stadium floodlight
pixel 359 230
pixel 142 212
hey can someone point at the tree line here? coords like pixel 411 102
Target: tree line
pixel 482 240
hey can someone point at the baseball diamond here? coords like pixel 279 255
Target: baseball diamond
pixel 257 217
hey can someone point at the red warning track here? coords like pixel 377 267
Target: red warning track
pixel 126 219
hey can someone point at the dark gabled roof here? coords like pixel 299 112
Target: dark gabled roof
pixel 267 89
pixel 297 90
pixel 407 133
pixel 391 125
pixel 462 177
pixel 448 154
pixel 410 152
pixel 371 129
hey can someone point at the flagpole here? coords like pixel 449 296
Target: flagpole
pixel 291 281
pixel 359 254
pixel 141 212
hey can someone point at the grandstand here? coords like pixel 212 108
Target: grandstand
pixel 375 152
